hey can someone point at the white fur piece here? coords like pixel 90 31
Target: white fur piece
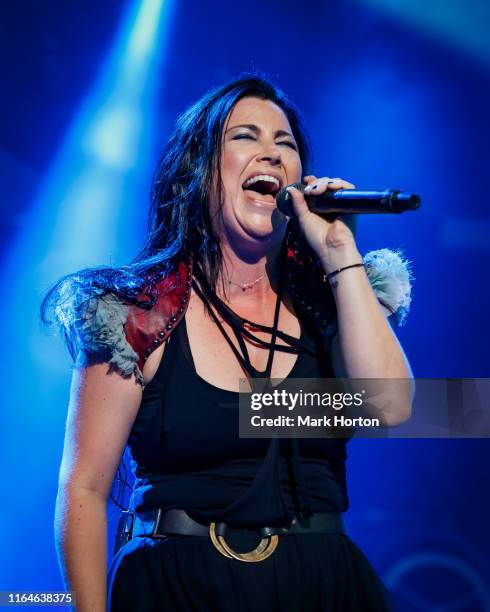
pixel 94 323
pixel 391 278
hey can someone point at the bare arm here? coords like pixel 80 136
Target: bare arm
pixel 101 413
pixel 365 346
pixel 368 345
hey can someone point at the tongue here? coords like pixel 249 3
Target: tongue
pixel 263 196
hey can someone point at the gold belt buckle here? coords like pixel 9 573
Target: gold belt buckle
pixel 264 549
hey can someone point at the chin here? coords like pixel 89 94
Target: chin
pixel 266 228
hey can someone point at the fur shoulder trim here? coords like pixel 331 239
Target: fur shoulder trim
pixel 93 322
pixel 391 278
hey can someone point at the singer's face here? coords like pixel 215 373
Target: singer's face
pixel 257 141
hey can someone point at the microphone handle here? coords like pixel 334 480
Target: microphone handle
pixel 352 201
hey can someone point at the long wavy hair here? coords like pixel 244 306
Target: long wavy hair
pixel 179 217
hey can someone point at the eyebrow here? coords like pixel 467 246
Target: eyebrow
pixel 256 129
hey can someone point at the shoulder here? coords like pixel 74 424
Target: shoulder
pixel 147 329
pixel 102 327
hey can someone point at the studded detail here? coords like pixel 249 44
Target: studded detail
pixel 146 331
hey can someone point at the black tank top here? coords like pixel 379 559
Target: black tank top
pixel 186 452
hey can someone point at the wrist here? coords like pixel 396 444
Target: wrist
pixel 331 275
pixel 339 257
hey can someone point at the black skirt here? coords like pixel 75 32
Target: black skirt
pixel 310 573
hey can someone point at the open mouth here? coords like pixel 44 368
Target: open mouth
pixel 265 185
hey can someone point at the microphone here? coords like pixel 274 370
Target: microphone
pixel 351 201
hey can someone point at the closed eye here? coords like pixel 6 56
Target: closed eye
pixel 241 136
pixel 288 143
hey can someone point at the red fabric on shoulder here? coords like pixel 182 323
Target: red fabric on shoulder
pixel 146 330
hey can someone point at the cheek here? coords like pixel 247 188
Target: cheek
pixel 232 167
pixel 222 205
pixel 296 170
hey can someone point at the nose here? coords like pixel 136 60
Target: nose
pixel 270 153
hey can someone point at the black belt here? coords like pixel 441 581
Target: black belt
pixel 160 523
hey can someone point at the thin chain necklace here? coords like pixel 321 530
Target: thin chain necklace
pixel 245 286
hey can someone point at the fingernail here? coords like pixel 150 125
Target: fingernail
pixel 307 188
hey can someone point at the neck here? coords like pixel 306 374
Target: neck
pixel 249 276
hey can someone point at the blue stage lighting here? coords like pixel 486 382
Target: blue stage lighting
pixel 462 23
pixel 84 215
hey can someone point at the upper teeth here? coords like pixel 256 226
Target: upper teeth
pixel 261 177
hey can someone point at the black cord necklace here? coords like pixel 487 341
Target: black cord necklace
pixel 242 327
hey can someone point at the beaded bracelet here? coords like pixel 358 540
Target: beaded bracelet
pixel 335 272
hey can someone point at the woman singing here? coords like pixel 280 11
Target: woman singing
pixel 225 287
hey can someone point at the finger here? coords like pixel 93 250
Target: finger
pixel 309 178
pixel 317 186
pixel 325 183
pixel 300 206
pixel 337 183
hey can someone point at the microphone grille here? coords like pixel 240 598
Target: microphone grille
pixel 284 201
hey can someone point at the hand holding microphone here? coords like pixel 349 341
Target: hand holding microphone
pixel 320 206
pixel 348 200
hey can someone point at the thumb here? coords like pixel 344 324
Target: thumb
pixel 300 206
